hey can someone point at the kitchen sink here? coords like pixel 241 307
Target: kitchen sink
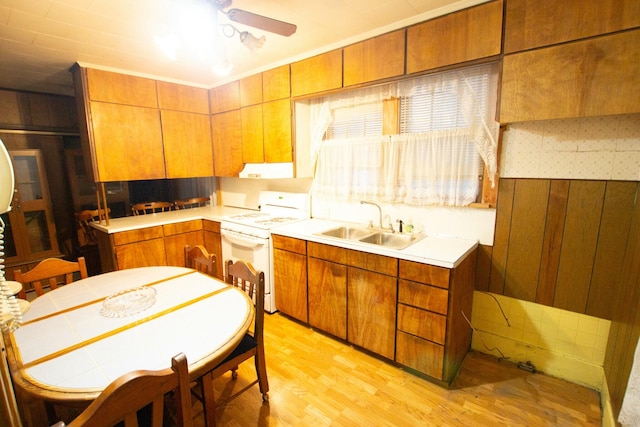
pixel 345 232
pixel 391 240
pixel 372 236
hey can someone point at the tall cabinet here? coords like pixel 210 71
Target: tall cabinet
pixel 30 231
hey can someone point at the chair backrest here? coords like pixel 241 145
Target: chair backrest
pixel 241 274
pixel 86 233
pixel 191 203
pixel 150 207
pixel 51 271
pixel 125 396
pixel 198 258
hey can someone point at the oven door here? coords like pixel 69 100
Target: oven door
pixel 257 251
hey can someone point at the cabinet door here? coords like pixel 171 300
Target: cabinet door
pixel 372 311
pixel 119 88
pixel 251 90
pixel 177 97
pixel 127 142
pixel 374 59
pixel 276 83
pixel 213 244
pixel 174 246
pixel 141 254
pixel 593 77
pixel 462 36
pixel 252 134
pixel 534 23
pixel 30 232
pixel 328 297
pixel 317 74
pixel 188 148
pixel 277 131
pixel 420 354
pixel 290 283
pixel 226 129
pixel 224 98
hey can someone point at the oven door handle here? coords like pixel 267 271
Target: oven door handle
pixel 242 239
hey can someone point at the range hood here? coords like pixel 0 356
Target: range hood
pixel 267 170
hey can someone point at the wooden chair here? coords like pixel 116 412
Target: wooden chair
pixel 244 276
pixel 125 396
pixel 51 271
pixel 86 233
pixel 191 203
pixel 150 207
pixel 198 258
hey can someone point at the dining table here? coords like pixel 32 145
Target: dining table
pixel 80 337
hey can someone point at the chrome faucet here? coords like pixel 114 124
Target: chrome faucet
pixel 365 202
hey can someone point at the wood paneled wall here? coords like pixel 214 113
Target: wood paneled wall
pixel 625 322
pixel 559 243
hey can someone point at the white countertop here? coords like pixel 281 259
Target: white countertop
pixel 440 251
pixel 212 213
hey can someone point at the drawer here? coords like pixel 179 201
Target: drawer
pixel 328 252
pixel 425 273
pixel 425 324
pixel 423 296
pixel 290 244
pixel 372 262
pixel 137 235
pixel 182 227
pixel 419 354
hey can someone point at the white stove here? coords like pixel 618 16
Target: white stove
pixel 247 235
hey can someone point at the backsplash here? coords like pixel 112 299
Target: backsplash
pixel 604 148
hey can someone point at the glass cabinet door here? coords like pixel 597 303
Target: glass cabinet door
pixel 29 227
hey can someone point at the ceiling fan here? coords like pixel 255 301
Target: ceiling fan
pixel 254 20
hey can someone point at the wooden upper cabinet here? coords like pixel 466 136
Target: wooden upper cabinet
pixel 224 98
pixel 462 36
pixel 534 23
pixel 374 59
pixel 317 74
pixel 226 130
pixel 251 90
pixel 276 83
pixel 188 148
pixel 593 77
pixel 172 96
pixel 119 88
pixel 252 134
pixel 276 118
pixel 127 142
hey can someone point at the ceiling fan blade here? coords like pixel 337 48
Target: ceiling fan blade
pixel 262 22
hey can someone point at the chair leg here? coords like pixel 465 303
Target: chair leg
pixel 261 372
pixel 209 403
pixel 234 373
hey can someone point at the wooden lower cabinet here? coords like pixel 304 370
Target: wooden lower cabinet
pixel 405 311
pixel 327 294
pixel 432 335
pixel 135 248
pixel 177 236
pixel 290 276
pixel 158 245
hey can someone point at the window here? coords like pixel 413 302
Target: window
pixel 436 153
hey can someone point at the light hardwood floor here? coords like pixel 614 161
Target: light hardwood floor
pixel 316 380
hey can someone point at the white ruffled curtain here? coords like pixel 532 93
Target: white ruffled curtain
pixel 409 168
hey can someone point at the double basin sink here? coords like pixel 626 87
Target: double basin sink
pixel 378 237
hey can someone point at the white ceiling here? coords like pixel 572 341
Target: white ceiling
pixel 41 39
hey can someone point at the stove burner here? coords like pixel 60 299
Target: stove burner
pixel 276 220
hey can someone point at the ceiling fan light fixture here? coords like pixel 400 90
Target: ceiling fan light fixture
pixel 252 42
